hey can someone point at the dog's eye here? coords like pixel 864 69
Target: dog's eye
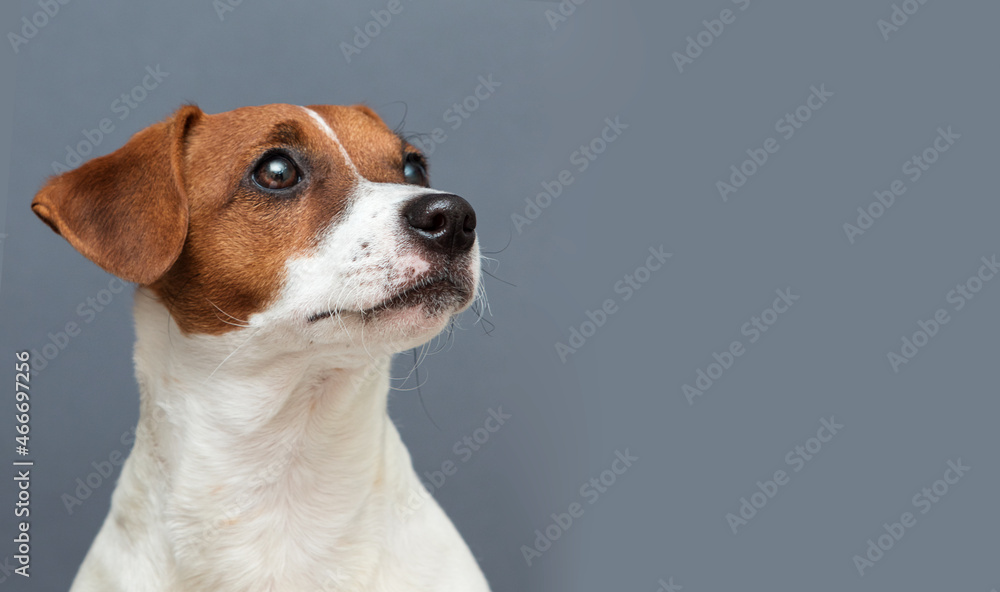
pixel 414 169
pixel 276 172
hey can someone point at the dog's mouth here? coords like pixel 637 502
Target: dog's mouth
pixel 436 294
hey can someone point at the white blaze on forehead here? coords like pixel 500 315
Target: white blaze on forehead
pixel 333 136
pixel 366 187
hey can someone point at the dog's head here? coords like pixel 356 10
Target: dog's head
pixel 317 222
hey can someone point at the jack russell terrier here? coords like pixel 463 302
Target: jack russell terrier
pixel 282 255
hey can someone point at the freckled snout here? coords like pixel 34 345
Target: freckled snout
pixel 442 222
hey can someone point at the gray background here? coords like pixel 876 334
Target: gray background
pixel 664 520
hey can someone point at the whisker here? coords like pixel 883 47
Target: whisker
pixel 483 303
pixel 491 260
pixel 239 320
pixel 420 395
pixel 398 130
pixel 419 361
pixel 498 279
pixel 232 354
pixel 510 237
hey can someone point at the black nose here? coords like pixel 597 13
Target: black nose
pixel 446 222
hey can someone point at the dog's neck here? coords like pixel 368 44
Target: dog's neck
pixel 250 437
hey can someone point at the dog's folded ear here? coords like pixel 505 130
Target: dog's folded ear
pixel 127 211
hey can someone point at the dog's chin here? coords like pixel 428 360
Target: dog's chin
pixel 427 306
pixel 405 319
pixel 413 318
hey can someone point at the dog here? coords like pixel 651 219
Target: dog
pixel 282 254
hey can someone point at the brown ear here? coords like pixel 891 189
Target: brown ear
pixel 126 211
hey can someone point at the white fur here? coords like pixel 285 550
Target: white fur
pixel 265 459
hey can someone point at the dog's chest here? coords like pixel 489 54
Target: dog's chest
pixel 287 520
